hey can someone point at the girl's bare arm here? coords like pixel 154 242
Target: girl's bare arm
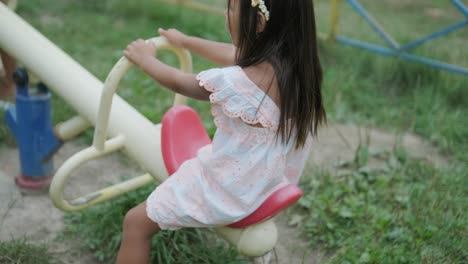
pixel 218 52
pixel 141 53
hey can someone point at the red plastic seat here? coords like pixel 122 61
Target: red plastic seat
pixel 182 134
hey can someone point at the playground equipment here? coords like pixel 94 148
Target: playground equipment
pixel 181 136
pixel 129 131
pixel 30 121
pixel 126 134
pixel 393 48
pixel 81 90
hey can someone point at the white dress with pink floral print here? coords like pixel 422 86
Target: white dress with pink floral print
pixel 233 176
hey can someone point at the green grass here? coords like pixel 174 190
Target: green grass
pixel 100 227
pixel 411 212
pixel 21 251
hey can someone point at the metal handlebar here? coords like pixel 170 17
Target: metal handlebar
pixel 101 147
pixel 114 78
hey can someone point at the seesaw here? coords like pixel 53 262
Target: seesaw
pixel 158 148
pixel 182 134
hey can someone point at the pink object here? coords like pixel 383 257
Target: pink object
pixel 275 203
pixel 183 134
pixel 31 183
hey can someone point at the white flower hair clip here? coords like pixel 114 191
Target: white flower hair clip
pixel 261 5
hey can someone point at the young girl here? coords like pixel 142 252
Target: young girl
pixel 266 104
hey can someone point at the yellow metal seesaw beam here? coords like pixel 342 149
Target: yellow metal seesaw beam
pixel 80 89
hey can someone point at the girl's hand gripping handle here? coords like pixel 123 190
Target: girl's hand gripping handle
pixel 139 52
pixel 174 36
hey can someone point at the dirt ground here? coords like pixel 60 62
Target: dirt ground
pixel 33 215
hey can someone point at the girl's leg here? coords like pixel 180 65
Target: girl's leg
pixel 138 231
pixel 7 85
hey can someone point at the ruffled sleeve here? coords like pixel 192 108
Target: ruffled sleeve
pixel 235 96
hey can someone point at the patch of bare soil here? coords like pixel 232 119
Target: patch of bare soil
pixel 33 215
pixel 338 143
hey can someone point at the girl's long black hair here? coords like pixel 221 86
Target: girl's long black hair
pixel 289 43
